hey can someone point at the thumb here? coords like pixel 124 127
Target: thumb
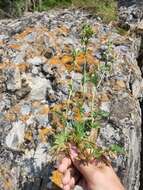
pixel 86 169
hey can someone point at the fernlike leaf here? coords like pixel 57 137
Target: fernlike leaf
pixel 60 140
pixel 79 129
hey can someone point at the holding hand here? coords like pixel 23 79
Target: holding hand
pixel 91 176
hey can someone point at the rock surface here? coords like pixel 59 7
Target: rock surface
pixel 130 13
pixel 35 62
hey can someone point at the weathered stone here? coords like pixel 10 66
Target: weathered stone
pixel 16 136
pixel 38 88
pixel 13 81
pixel 130 15
pixel 36 73
pixel 3 37
pixel 25 109
pixel 49 53
pixel 46 68
pixel 24 91
pixel 140 27
pixel 36 61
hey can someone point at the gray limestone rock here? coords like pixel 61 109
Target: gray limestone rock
pixel 16 136
pixel 13 81
pixel 36 60
pixel 140 27
pixel 38 88
pixel 37 75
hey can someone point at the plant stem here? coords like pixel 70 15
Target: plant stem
pixel 71 83
pixel 84 68
pixel 92 103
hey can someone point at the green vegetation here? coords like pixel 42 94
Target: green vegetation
pixel 73 124
pixel 107 9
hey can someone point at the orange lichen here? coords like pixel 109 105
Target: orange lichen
pixel 56 178
pixel 36 104
pixel 3 66
pixel 96 28
pixel 6 178
pixel 9 116
pixel 24 118
pixel 23 67
pixel 43 134
pixel 104 39
pixel 92 60
pixel 119 85
pixel 1 42
pixel 80 59
pixel 24 33
pixel 28 135
pixel 67 49
pixel 66 59
pixel 104 98
pixel 14 46
pixel 56 121
pixel 77 115
pixel 44 110
pixel 15 109
pixel 54 60
pixel 64 29
pixel 57 107
pixel 40 29
pixel 8 184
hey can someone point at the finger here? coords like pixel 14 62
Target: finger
pixel 66 187
pixel 59 160
pixel 72 182
pixel 67 177
pixel 86 169
pixel 66 162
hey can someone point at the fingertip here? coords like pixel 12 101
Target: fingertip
pixel 66 187
pixel 72 182
pixel 61 168
pixel 66 162
pixel 66 178
pixel 73 152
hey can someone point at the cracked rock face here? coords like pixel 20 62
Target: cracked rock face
pixel 35 59
pixel 130 14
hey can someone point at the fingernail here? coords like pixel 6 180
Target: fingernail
pixel 73 152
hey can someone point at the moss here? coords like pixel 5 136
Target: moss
pixel 107 9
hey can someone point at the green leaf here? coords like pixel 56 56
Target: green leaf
pixel 86 78
pixel 61 139
pixel 75 53
pixel 86 34
pixel 103 114
pixel 97 152
pixel 79 129
pixel 94 78
pixel 95 125
pixel 117 149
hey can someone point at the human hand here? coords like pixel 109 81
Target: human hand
pixel 90 176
